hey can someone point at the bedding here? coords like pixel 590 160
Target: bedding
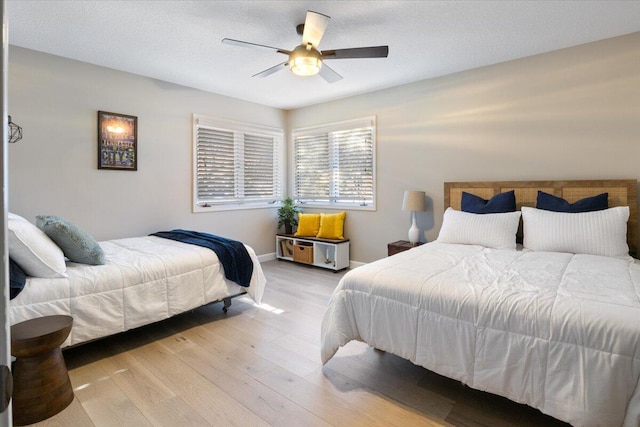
pixel 33 250
pixel 17 279
pixel 620 192
pixel 556 331
pixel 500 203
pixel 144 280
pixel 233 255
pixel 601 232
pixel 76 244
pixel 550 202
pixel 491 230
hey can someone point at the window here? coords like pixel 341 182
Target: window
pixel 334 164
pixel 236 165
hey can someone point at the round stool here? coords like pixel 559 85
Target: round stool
pixel 41 386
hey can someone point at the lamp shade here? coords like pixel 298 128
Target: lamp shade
pixel 414 201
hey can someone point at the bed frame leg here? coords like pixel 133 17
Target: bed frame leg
pixel 227 304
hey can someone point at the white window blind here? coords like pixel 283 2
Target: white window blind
pixel 335 164
pixel 313 169
pixel 236 165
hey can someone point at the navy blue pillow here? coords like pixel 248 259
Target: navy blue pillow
pixel 500 203
pixel 17 279
pixel 549 202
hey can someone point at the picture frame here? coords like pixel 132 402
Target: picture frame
pixel 117 141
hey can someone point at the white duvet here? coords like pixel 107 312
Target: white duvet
pixel 559 332
pixel 145 279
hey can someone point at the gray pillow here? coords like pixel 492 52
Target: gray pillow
pixel 76 243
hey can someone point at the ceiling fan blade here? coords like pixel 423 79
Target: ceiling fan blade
pixel 314 26
pixel 329 74
pixel 357 52
pixel 271 70
pixel 247 44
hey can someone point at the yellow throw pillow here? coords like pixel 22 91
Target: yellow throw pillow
pixel 308 225
pixel 332 226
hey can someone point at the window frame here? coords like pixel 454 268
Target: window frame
pixel 238 129
pixel 363 122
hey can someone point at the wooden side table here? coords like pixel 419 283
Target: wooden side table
pixel 400 246
pixel 41 386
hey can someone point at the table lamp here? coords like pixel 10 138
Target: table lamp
pixel 414 201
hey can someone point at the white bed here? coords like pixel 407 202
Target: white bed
pixel 557 331
pixel 145 279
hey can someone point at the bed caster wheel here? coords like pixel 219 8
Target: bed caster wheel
pixel 225 309
pixel 227 304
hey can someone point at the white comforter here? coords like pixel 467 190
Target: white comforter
pixel 145 279
pixel 557 331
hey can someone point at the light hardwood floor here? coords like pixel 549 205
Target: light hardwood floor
pixel 260 366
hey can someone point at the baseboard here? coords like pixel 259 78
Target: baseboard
pixel 356 264
pixel 267 257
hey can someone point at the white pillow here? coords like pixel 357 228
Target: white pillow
pixel 491 230
pixel 597 233
pixel 33 250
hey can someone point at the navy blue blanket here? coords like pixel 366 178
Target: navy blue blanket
pixel 235 259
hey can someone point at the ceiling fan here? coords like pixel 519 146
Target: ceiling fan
pixel 306 59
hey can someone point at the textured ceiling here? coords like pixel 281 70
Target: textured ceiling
pixel 180 41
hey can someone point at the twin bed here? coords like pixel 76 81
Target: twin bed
pixel 556 330
pixel 144 280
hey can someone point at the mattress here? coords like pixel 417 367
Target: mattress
pixel 557 331
pixel 145 279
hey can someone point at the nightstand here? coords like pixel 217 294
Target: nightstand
pixel 400 246
pixel 41 386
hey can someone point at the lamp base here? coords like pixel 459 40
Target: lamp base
pixel 414 231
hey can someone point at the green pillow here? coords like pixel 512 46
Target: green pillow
pixel 76 243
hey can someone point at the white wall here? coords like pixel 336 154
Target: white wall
pixel 53 170
pixel 569 114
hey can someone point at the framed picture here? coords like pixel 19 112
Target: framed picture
pixel 117 141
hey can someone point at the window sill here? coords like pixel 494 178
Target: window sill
pixel 336 207
pixel 232 207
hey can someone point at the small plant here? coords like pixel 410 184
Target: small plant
pixel 287 215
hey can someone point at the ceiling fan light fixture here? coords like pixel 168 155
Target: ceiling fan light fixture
pixel 305 61
pixel 305 66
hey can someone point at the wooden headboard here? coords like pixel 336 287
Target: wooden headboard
pixel 621 193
